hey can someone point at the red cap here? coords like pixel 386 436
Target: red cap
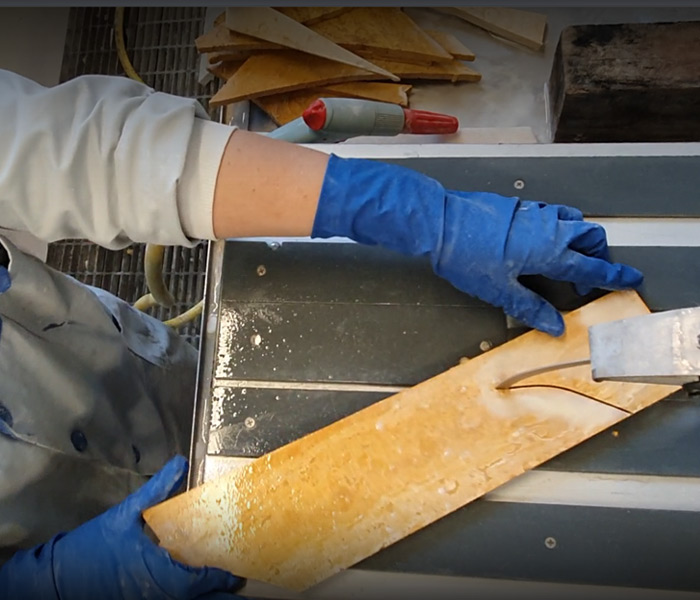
pixel 315 115
pixel 423 121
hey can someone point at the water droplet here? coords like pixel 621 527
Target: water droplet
pixel 379 426
pixel 449 486
pixel 256 339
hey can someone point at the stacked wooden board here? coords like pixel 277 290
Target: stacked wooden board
pixel 299 54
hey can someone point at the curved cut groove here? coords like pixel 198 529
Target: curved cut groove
pixel 566 389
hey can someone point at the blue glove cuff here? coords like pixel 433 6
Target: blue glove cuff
pixel 28 575
pixel 379 204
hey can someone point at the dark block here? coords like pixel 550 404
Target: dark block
pixel 626 83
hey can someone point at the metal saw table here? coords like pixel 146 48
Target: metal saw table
pixel 298 334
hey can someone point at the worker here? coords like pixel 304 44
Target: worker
pixel 95 396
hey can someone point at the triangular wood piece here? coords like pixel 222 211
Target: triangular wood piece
pixel 283 108
pixel 232 55
pixel 451 44
pixel 448 71
pixel 271 25
pixel 310 15
pixel 221 38
pixel 226 70
pixel 382 33
pixel 524 27
pixel 278 72
pixel 395 93
pixel 336 496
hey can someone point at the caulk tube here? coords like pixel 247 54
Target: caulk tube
pixel 353 117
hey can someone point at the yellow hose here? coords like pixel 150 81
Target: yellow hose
pixel 145 302
pixel 186 317
pixel 153 268
pixel 153 262
pixel 121 46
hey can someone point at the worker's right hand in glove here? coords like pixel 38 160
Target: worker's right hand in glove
pixel 480 242
pixel 111 558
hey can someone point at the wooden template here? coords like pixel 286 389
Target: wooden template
pixel 279 72
pixel 231 56
pixel 396 93
pixel 221 38
pixel 453 71
pixel 271 25
pixel 386 33
pixel 451 44
pixel 310 15
pixel 330 499
pixel 283 108
pixel 225 70
pixel 524 27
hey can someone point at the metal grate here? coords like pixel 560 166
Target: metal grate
pixel 160 43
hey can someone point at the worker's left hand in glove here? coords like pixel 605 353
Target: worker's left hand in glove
pixel 480 242
pixel 111 558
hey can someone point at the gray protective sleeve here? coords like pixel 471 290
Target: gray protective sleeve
pixel 107 159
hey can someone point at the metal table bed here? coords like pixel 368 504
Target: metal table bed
pixel 298 334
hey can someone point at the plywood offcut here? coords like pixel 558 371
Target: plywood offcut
pixel 338 495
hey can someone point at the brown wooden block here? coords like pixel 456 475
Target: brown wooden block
pixel 626 83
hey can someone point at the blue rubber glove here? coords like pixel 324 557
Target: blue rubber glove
pixel 480 242
pixel 111 558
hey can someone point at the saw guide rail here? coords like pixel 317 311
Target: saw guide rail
pixel 303 376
